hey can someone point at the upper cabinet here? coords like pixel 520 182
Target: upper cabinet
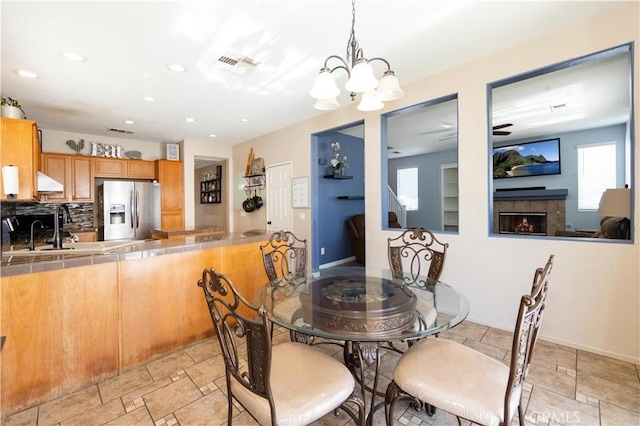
pixel 75 172
pixel 21 148
pixel 120 168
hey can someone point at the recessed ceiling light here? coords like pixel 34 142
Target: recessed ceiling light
pixel 72 56
pixel 244 120
pixel 213 136
pixel 129 122
pixel 27 74
pixel 149 99
pixel 176 67
pixel 190 120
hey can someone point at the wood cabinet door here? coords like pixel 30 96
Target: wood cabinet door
pixel 111 167
pixel 140 169
pixel 171 184
pixel 56 166
pixel 20 147
pixel 172 221
pixel 82 178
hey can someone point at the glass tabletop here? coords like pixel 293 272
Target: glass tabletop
pixel 362 304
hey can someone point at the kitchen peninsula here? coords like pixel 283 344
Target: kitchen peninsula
pixel 72 320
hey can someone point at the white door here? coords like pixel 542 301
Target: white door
pixel 278 197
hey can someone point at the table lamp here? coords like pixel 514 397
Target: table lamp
pixel 616 202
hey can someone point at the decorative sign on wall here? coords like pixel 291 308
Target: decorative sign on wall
pixel 105 150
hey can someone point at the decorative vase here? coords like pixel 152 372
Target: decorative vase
pixel 11 112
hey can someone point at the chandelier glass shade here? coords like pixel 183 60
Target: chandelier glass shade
pixel 361 79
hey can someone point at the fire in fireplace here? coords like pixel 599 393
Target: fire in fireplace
pixel 523 223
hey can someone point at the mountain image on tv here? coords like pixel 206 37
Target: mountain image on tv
pixel 518 160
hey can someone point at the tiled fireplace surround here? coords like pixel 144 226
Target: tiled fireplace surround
pixel 523 200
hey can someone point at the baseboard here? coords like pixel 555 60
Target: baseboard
pixel 338 262
pixel 567 343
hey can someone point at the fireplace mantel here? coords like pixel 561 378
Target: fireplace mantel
pixel 531 194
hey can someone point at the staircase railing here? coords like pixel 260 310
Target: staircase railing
pixel 396 207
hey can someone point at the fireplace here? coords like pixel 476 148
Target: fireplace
pixel 525 223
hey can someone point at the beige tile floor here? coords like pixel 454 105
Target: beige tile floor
pixel 565 387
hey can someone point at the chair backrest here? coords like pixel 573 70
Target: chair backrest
pixel 525 336
pixel 237 332
pixel 416 252
pixel 284 255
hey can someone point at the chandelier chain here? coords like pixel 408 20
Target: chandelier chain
pixel 354 52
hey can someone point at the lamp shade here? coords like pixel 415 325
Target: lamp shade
pixel 389 87
pixel 326 104
pixel 370 102
pixel 615 202
pixel 325 86
pixel 362 79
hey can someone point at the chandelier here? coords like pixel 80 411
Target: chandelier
pixel 361 78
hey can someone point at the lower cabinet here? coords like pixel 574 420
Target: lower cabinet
pixel 68 328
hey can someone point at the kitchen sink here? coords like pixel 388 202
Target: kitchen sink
pixel 88 247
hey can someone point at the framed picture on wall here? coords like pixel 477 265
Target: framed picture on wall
pixel 257 166
pixel 173 152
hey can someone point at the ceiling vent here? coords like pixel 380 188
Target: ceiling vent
pixel 236 63
pixel 128 132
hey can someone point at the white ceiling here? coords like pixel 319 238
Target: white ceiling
pixel 129 44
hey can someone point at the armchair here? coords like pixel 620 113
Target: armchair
pixel 610 227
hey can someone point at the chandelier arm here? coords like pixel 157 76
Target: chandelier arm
pixel 382 60
pixel 344 65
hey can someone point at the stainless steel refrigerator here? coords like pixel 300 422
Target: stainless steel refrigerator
pixel 128 209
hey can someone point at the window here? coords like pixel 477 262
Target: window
pixel 408 187
pixel 596 173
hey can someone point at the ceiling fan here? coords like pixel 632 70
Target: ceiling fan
pixel 498 132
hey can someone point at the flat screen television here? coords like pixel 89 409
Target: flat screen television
pixel 527 159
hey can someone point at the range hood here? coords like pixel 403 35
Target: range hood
pixel 47 184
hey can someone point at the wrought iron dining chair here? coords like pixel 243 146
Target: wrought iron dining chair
pixel 289 383
pixel 466 382
pixel 416 253
pixel 284 255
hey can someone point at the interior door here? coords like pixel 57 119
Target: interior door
pixel 278 200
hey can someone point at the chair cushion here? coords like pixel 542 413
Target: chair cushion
pixel 306 385
pixel 456 379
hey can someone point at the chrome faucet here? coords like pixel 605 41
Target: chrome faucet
pixel 57 237
pixel 32 245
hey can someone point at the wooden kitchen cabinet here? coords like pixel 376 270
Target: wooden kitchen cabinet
pixel 75 172
pixel 21 148
pixel 111 167
pixel 170 175
pixel 140 169
pixel 121 168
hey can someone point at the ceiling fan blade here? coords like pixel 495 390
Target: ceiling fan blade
pixel 502 126
pixel 500 133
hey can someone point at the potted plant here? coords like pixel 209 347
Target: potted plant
pixel 11 108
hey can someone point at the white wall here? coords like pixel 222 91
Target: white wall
pixel 56 141
pixel 594 298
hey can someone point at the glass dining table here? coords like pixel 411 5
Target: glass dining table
pixel 364 310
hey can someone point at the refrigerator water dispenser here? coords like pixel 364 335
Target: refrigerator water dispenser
pixel 116 214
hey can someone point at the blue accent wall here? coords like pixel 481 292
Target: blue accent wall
pixel 332 212
pixel 568 177
pixel 429 213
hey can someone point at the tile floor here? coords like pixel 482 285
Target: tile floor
pixel 565 387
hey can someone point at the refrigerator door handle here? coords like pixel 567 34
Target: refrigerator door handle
pixel 132 202
pixel 137 209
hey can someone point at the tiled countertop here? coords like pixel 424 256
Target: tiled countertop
pixel 18 265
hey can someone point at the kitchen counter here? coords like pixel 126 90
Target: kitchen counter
pixel 163 235
pixel 17 265
pixel 73 320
